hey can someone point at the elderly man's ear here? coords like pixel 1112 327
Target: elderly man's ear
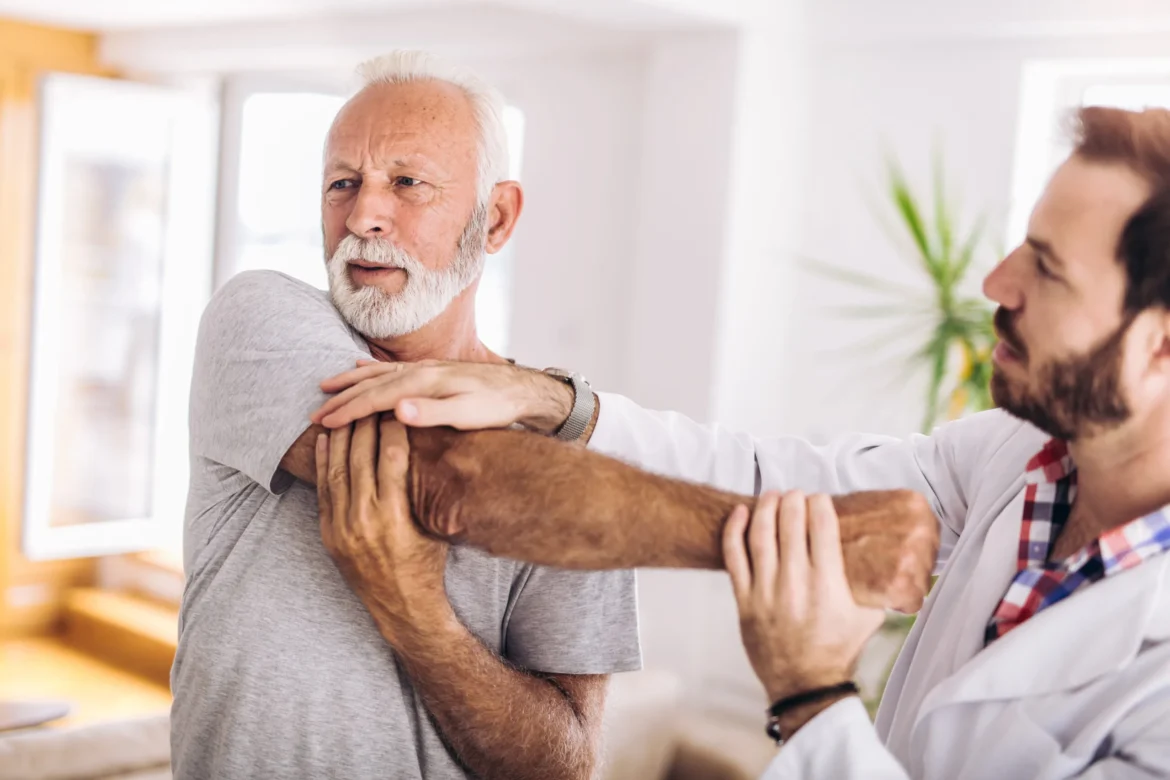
pixel 507 203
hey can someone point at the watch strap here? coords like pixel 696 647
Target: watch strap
pixel 584 404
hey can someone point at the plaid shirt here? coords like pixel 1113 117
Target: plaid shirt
pixel 1048 500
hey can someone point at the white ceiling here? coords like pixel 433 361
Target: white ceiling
pixel 474 33
pixel 122 15
pixel 858 20
pixel 128 14
pixel 845 19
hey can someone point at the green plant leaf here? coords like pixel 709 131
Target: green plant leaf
pixel 936 353
pixel 907 208
pixel 894 229
pixel 943 224
pixel 967 251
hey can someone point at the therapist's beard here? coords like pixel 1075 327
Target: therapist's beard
pixel 1077 396
pixel 377 314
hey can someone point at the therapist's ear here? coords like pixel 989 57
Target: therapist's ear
pixel 1149 333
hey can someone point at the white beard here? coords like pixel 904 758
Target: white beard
pixel 377 314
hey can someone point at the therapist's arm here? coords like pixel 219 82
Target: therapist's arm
pixel 803 631
pixel 840 743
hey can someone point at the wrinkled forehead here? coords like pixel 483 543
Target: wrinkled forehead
pixel 1084 211
pixel 430 118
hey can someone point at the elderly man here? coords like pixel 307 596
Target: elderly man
pixel 1044 648
pixel 406 660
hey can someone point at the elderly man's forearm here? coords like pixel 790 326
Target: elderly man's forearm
pixel 501 722
pixel 535 499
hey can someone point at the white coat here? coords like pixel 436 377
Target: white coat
pixel 1080 690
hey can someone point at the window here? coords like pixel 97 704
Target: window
pixel 276 222
pixel 120 280
pixel 1133 97
pixel 282 136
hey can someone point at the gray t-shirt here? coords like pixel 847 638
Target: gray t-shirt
pixel 280 671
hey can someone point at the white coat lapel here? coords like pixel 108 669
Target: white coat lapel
pixel 1093 632
pixel 984 564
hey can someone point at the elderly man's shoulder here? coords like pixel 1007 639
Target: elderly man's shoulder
pixel 265 285
pixel 259 296
pixel 257 307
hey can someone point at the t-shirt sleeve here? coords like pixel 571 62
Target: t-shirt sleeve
pixel 574 622
pixel 266 341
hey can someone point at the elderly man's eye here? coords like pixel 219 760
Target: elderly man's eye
pixel 407 181
pixel 341 184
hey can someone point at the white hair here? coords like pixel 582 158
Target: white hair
pixel 403 66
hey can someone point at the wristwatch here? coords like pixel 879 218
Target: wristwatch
pixel 584 404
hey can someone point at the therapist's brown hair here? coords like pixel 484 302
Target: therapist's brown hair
pixel 1140 140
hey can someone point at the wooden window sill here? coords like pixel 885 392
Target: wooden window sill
pixel 128 631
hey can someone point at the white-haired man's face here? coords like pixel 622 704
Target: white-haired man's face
pixel 404 233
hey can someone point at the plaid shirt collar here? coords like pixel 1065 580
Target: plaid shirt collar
pixel 1048 500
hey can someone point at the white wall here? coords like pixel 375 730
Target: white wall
pixel 673 282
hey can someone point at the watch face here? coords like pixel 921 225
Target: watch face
pixel 567 376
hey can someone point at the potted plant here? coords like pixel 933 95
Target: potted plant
pixel 956 350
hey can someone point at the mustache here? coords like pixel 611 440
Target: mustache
pixel 1005 328
pixel 374 251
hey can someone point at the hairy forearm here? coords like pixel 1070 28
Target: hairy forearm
pixel 539 500
pixel 501 722
pixel 531 498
